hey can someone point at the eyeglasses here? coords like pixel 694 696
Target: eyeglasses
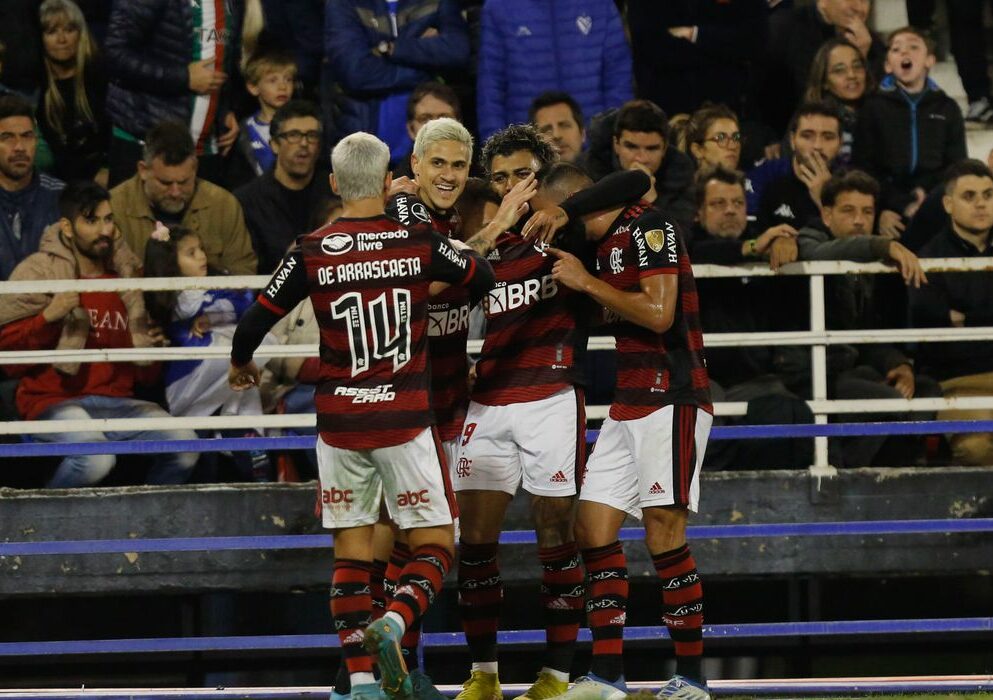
pixel 726 140
pixel 296 137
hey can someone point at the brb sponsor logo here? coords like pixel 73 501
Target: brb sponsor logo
pixel 507 297
pixel 448 321
pixel 409 499
pixel 333 496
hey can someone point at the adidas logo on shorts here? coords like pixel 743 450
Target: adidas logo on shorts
pixel 656 489
pixel 559 478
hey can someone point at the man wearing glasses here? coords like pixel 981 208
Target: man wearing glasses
pixel 285 201
pixel 166 188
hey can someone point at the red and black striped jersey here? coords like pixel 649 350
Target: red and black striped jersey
pixel 448 324
pixel 653 369
pixel 368 280
pixel 536 329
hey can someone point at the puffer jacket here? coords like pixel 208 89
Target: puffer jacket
pixel 532 46
pixel 906 142
pixel 353 28
pixel 148 49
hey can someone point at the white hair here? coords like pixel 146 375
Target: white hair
pixel 359 163
pixel 442 129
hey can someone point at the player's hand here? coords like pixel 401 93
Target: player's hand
pixel 402 184
pixel 682 32
pixel 891 224
pixel 470 379
pixel 203 78
pixel 244 377
pixel 515 203
pixel 544 223
pixel 763 242
pixel 782 251
pixel 956 318
pixel 60 306
pixel 568 270
pixel 652 194
pixel 200 326
pixel 227 139
pixel 908 264
pixel 901 378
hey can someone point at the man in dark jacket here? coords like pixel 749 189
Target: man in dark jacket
pixel 379 51
pixel 795 34
pixel 169 60
pixel 961 299
pixel 854 302
pixel 637 136
pixel 29 200
pixel 282 203
pixel 687 52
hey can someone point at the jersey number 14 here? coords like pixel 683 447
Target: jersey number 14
pixel 389 325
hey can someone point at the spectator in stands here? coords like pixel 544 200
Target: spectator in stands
pixel 713 137
pixel 529 48
pixel 854 302
pixel 961 299
pixel 815 140
pixel 687 52
pixel 281 204
pixel 170 61
pixel 84 244
pixel 838 77
pixel 166 188
pixel 637 136
pixel 269 77
pixel 28 199
pixel 721 236
pixel 560 118
pixel 795 35
pixel 198 318
pixel 909 131
pixel 430 100
pixel 71 115
pixel 377 58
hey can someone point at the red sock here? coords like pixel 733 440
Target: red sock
pixel 682 603
pixel 606 608
pixel 562 597
pixel 420 582
pixel 351 605
pixel 376 588
pixel 480 596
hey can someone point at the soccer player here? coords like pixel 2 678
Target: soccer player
pixel 647 460
pixel 528 387
pixel 368 278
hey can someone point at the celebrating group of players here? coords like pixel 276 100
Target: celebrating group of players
pixel 402 434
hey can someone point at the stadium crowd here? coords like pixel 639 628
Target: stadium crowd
pixel 174 138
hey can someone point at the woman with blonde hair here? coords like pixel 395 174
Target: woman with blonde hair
pixel 71 114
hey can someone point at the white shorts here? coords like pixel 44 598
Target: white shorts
pixel 411 479
pixel 540 443
pixel 650 461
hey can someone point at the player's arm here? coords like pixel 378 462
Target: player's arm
pixel 512 208
pixel 654 307
pixel 455 262
pixel 615 190
pixel 286 289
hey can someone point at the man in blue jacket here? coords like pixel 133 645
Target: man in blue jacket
pixel 378 51
pixel 29 200
pixel 530 47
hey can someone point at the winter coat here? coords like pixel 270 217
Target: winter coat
pixel 36 206
pixel 908 142
pixel 532 46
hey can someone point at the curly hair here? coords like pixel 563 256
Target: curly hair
pixel 518 137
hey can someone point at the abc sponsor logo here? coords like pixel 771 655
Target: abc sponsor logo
pixel 337 243
pixel 409 499
pixel 334 496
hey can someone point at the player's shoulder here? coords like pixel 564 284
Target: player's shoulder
pixel 655 231
pixel 408 210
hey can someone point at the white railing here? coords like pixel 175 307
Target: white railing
pixel 818 337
